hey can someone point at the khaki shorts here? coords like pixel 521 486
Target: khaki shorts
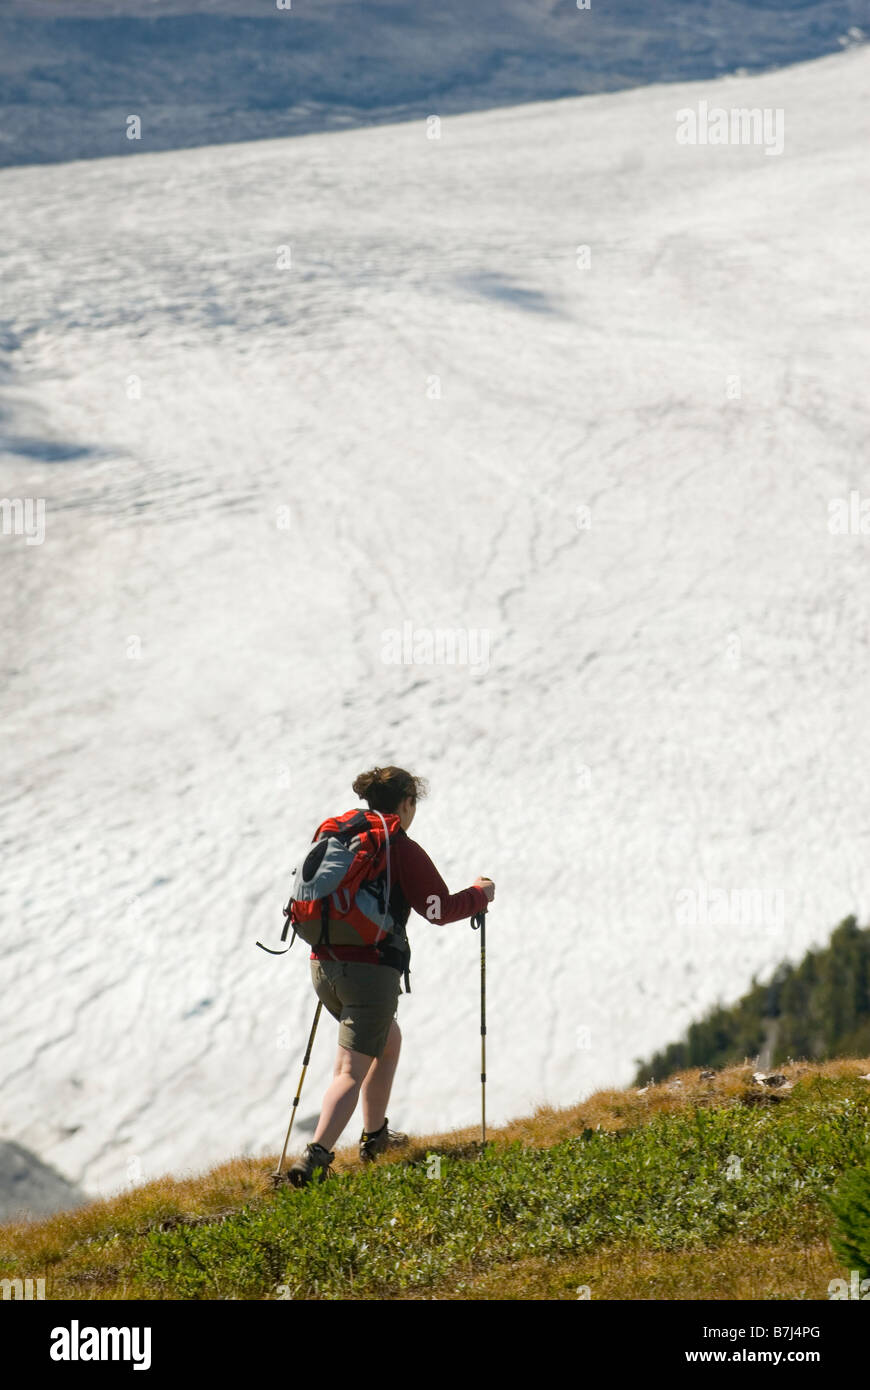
pixel 362 997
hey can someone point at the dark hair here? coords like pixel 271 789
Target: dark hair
pixel 384 787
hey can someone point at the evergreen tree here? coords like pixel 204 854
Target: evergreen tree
pixel 821 1008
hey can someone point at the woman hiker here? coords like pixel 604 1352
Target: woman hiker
pixel 359 984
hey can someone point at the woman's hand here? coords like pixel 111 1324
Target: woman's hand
pixel 488 887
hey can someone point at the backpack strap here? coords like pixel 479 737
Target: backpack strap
pixel 324 923
pixel 288 918
pixel 391 954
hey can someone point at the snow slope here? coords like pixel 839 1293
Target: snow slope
pixel 250 475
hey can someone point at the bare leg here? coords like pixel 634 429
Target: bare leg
pixel 379 1082
pixel 342 1095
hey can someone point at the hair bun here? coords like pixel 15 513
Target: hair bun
pixel 384 788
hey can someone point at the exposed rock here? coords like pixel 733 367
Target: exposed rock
pixel 30 1188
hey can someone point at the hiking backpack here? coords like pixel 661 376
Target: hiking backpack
pixel 341 892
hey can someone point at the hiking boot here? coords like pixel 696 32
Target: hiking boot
pixel 314 1163
pixel 378 1142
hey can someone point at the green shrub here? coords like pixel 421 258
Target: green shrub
pixel 851 1206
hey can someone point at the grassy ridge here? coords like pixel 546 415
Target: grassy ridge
pixel 667 1190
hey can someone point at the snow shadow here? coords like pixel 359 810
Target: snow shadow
pixel 490 285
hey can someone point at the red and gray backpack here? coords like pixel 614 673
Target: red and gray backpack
pixel 341 893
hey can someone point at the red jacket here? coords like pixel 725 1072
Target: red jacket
pixel 423 889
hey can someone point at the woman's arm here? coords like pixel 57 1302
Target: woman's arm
pixel 425 889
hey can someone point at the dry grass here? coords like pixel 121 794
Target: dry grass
pixel 75 1249
pixel 734 1270
pixel 623 1109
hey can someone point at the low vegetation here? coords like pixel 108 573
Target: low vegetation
pixel 705 1187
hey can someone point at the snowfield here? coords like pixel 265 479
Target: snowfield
pixel 582 397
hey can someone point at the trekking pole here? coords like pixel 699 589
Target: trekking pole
pixel 480 921
pixel 276 1176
